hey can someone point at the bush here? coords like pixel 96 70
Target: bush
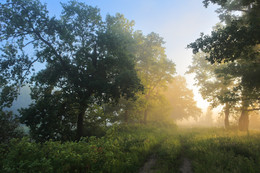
pixel 122 149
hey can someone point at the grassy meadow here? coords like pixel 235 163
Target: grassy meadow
pixel 127 148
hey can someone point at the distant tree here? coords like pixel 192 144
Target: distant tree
pixel 86 58
pixel 155 71
pixel 153 67
pixel 216 88
pixel 180 100
pixel 237 42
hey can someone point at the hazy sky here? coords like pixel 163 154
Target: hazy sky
pixel 179 22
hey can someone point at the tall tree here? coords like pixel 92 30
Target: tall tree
pixel 180 99
pixel 85 58
pixel 247 96
pixel 153 67
pixel 215 87
pixel 238 42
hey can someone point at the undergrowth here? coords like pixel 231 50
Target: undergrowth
pixel 125 148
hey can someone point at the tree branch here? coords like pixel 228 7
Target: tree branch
pixel 29 43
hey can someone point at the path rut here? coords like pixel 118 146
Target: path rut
pixel 186 166
pixel 147 168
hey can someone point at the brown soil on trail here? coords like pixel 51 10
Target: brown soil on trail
pixel 149 164
pixel 186 166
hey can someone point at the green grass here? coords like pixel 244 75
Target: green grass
pixel 127 148
pixel 216 150
pixel 210 150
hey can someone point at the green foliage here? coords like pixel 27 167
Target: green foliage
pixel 220 151
pixel 125 148
pixel 239 37
pixel 7 95
pixel 9 127
pixel 122 149
pixel 154 69
pixel 125 111
pixel 51 117
pixel 236 42
pixel 88 60
pixel 214 86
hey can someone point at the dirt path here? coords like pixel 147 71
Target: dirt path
pixel 147 168
pixel 184 161
pixel 186 166
pixel 149 164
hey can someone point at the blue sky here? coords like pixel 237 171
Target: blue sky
pixel 179 22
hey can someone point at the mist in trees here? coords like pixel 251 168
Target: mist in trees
pixel 219 89
pixel 84 92
pixel 98 72
pixel 181 102
pixel 236 44
pixel 153 68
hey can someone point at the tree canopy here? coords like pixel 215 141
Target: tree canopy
pixel 86 59
pixel 237 42
pixel 239 38
pixel 216 87
pixel 153 67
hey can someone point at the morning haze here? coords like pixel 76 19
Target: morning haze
pixel 129 86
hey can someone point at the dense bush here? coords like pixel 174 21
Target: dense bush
pixel 126 148
pixel 122 149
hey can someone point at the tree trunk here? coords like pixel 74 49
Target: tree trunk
pixel 243 121
pixel 145 116
pixel 227 107
pixel 80 123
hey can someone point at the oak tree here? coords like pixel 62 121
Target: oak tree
pixel 85 59
pixel 215 87
pixel 153 67
pixel 237 42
